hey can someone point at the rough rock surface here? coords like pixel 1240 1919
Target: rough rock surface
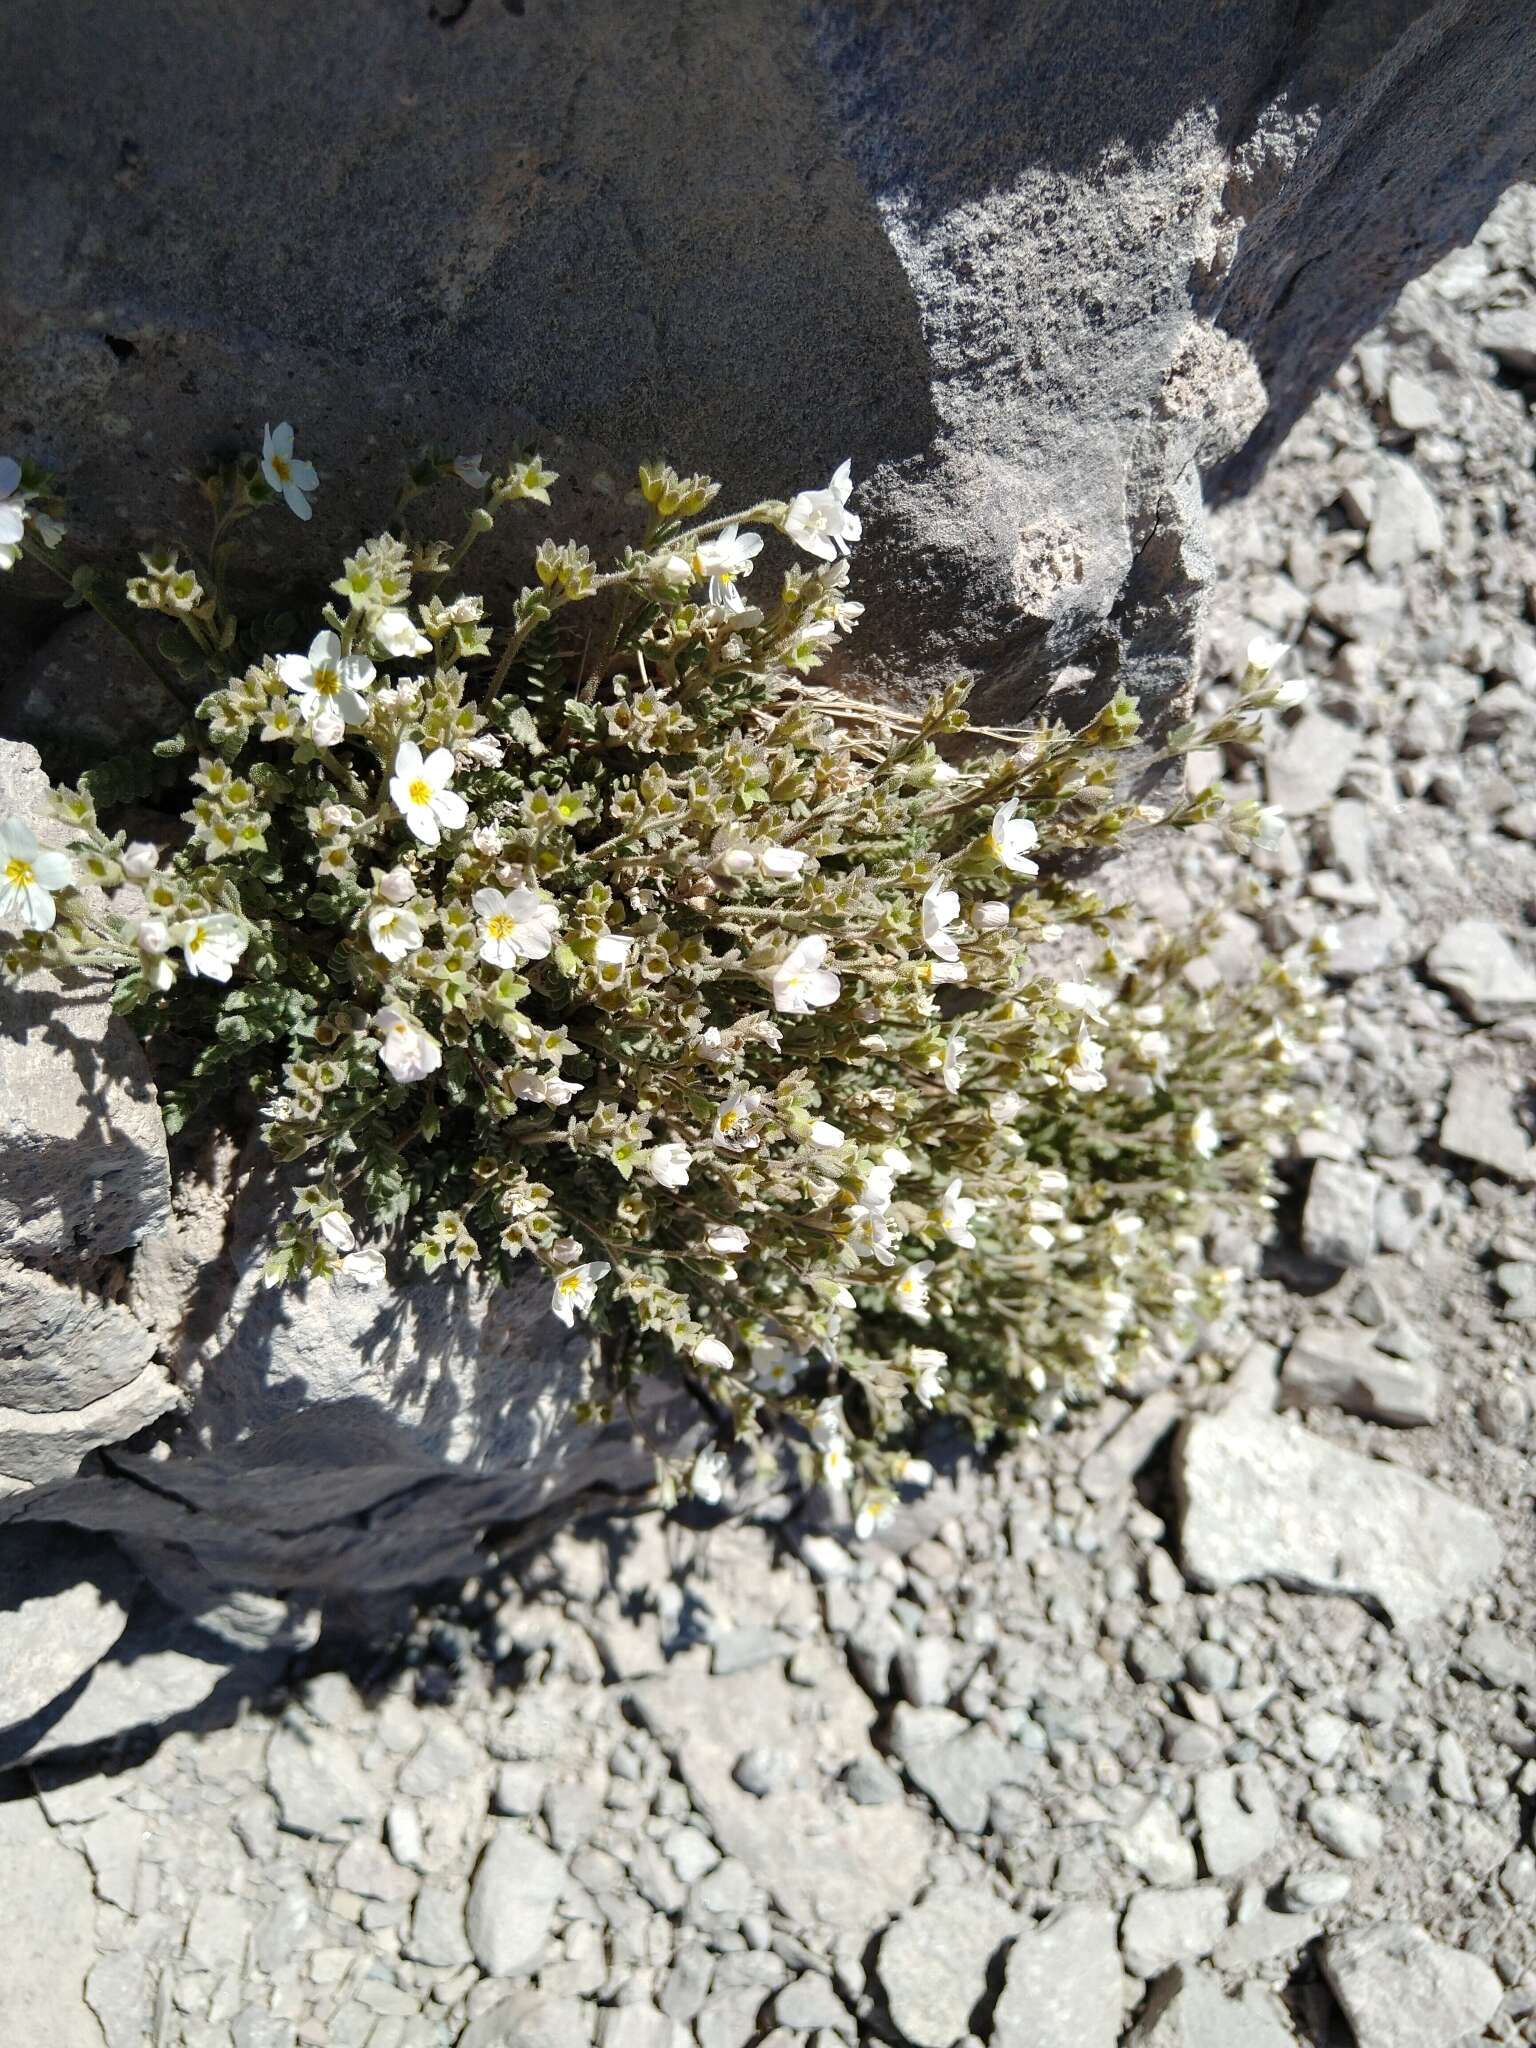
pixel 1399 1989
pixel 1033 262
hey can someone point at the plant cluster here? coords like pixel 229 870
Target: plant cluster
pixel 591 928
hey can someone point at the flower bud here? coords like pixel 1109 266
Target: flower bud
pixel 140 860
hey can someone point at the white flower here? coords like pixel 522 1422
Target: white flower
pixel 613 949
pixel 776 1366
pixel 1126 1223
pixel 930 1366
pixel 1080 995
pixel 396 634
pixel 729 555
pixel 1269 828
pixel 211 945
pixel 910 1471
pixel 713 1355
pixel 707 1476
pixel 873 1514
pixel 1203 1135
pixel 1011 839
pixel 484 748
pixel 397 886
pixel 802 982
pixel 911 1290
pixel 29 874
pixel 820 522
pixel 829 1425
pixel 330 686
pixel 954 1047
pixel 153 939
pixel 834 1465
pixel 1264 654
pixel 728 1238
pixel 827 1136
pixel 941 972
pixel 869 1233
pixel 1294 690
pixel 668 1165
pixel 990 916
pixel 420 792
pixel 733 1120
pixel 13 516
pixel 1084 1071
pixel 1006 1107
pixel 780 863
pixel 283 470
pixel 878 1186
pixel 467 469
pixel 394 931
pixel 140 860
pixel 335 1226
pixel 575 1289
pixel 409 1052
pixel 955 1213
pixel 515 925
pixel 366 1268
pixel 940 909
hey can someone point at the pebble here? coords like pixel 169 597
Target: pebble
pixel 1314 1891
pixel 1345 1828
pixel 1338 1221
pixel 1480 1123
pixel 1476 962
pixel 512 1900
pixel 1238 1817
pixel 1161 1928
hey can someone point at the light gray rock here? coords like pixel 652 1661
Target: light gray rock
pixel 49 1934
pixel 1239 1818
pixel 922 1670
pixel 639 2026
pixel 64 1600
pixel 934 1961
pixel 1189 2009
pixel 517 1884
pixel 320 1786
pixel 1476 962
pixel 1480 1122
pixel 1338 1221
pixel 1510 335
pixel 1504 1659
pixel 527 2018
pixel 437 1935
pixel 1261 1498
pixel 1155 1845
pixel 1405 521
pixel 809 2002
pixel 1159 1929
pixel 1400 1989
pixel 1262 1936
pixel 1062 1986
pixel 1305 763
pixel 1314 1891
pixel 961 1773
pixel 1333 1367
pixel 871 1782
pixel 116 1990
pixel 1345 1827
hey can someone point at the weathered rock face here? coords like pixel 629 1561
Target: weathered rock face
pixel 1026 265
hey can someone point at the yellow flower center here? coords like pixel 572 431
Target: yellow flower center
pixel 282 467
pixel 568 1283
pixel 19 873
pixel 420 792
pixel 500 927
pixel 195 943
pixel 327 682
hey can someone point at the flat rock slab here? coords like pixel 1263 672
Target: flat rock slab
pixel 64 1601
pixel 1482 1123
pixel 1189 2009
pixel 936 1960
pixel 1477 963
pixel 50 1940
pixel 851 1867
pixel 1261 1498
pixel 517 1884
pixel 1400 1989
pixel 1328 1367
pixel 1063 1986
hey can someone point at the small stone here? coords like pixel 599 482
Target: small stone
pixel 1503 1659
pixel 922 1671
pixel 636 2026
pixel 959 1772
pixel 1476 963
pixel 871 1782
pixel 934 1961
pixel 1338 1223
pixel 743 1649
pixel 1517 1282
pixel 1263 1936
pixel 446 1756
pixel 517 1883
pixel 1189 2009
pixel 1211 1667
pixel 1413 404
pixel 1340 1368
pixel 437 1936
pixel 1155 1846
pixel 1509 334
pixel 808 2002
pixel 1162 1928
pixel 320 1787
pixel 1063 1986
pixel 368 1869
pixel 1405 519
pixel 1480 1123
pixel 1323 1737
pixel 1314 1891
pixel 519 1790
pixel 691 1853
pixel 761 1771
pixel 1239 1819
pixel 1345 1828
pixel 1400 1989
pixel 1153 1659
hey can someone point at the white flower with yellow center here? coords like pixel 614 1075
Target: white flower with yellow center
pixel 515 925
pixel 733 1120
pixel 613 949
pixel 668 1165
pixel 834 1466
pixel 802 981
pixel 911 1290
pixel 394 931
pixel 153 939
pixel 29 874
pixel 955 1213
pixel 576 1289
pixel 396 635
pixel 1203 1135
pixel 929 1366
pixel 211 945
pixel 776 1366
pixel 406 1050
pixel 331 687
pixel 284 471
pixel 419 791
pixel 725 558
pixel 1084 1068
pixel 940 909
pixel 1012 838
pixel 820 522
pixel 140 860
pixel 950 1070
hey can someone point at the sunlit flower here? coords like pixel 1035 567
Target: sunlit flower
pixel 707 1476
pixel 1011 839
pixel 733 1120
pixel 409 1052
pixel 723 559
pixel 834 1466
pixel 331 687
pixel 668 1165
pixel 940 909
pixel 396 885
pixel 930 1366
pixel 515 925
pixel 727 1238
pixel 396 634
pixel 211 945
pixel 419 790
pixel 140 860
pixel 911 1290
pixel 828 1137
pixel 1084 1069
pixel 954 1048
pixel 467 469
pixel 820 522
pixel 990 916
pixel 780 863
pixel 284 471
pixel 365 1268
pixel 802 982
pixel 776 1366
pixel 575 1289
pixel 874 1513
pixel 713 1355
pixel 1081 996
pixel 1264 654
pixel 394 931
pixel 153 939
pixel 29 876
pixel 613 949
pixel 1204 1135
pixel 13 512
pixel 955 1213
